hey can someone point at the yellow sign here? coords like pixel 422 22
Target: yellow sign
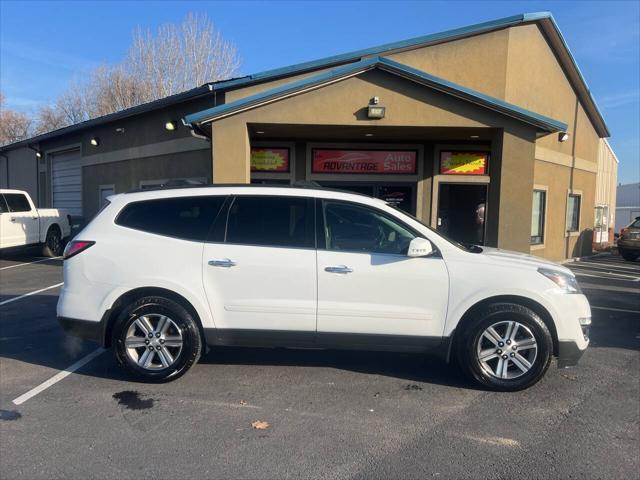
pixel 269 159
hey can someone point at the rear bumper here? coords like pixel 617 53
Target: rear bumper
pixel 631 245
pixel 85 329
pixel 569 353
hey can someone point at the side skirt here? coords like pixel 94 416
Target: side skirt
pixel 324 340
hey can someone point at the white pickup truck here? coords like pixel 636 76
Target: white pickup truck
pixel 22 224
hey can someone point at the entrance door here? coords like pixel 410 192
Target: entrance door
pixel 400 195
pixel 462 212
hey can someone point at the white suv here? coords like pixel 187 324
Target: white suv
pixel 157 275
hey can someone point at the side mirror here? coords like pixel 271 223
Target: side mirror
pixel 420 247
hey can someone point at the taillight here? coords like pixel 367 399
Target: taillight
pixel 74 247
pixel 623 231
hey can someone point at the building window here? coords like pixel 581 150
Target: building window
pixel 538 217
pixel 573 213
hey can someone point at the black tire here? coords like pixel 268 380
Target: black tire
pixel 627 255
pixel 155 306
pixel 467 347
pixel 53 245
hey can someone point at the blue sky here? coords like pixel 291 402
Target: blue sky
pixel 45 45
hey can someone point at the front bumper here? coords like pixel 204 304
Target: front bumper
pixel 569 354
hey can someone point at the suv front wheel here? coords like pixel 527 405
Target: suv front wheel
pixel 506 347
pixel 156 339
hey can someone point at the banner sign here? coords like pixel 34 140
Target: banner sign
pixel 464 163
pixel 388 162
pixel 265 159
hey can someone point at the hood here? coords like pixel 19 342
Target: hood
pixel 511 257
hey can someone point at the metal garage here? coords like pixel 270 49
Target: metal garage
pixel 66 180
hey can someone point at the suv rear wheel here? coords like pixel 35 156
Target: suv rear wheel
pixel 506 347
pixel 156 339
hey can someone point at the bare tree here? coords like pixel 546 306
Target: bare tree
pixel 175 58
pixel 14 126
pixel 49 118
pixel 180 57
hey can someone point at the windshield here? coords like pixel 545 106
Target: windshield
pixel 466 247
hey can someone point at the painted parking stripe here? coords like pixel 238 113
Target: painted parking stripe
pixel 58 376
pixel 29 263
pixel 606 267
pixel 624 266
pixel 15 299
pixel 583 273
pixel 595 307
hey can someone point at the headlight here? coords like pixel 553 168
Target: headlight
pixel 566 282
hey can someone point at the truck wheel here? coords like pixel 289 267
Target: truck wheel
pixel 156 339
pixel 507 347
pixel 53 243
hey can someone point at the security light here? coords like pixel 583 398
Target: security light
pixel 38 154
pixel 563 136
pixel 95 141
pixel 474 136
pixel 368 134
pixel 170 125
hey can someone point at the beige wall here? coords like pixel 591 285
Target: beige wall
pixel 408 105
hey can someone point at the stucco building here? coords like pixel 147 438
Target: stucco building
pixel 488 133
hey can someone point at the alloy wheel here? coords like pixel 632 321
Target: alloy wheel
pixel 153 341
pixel 507 350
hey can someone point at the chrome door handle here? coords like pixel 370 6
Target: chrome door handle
pixel 222 263
pixel 338 269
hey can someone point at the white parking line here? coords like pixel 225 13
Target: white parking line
pixel 613 265
pixel 14 299
pixel 606 268
pixel 58 376
pixel 29 263
pixel 615 309
pixel 579 273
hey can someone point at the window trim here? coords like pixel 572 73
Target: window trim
pixel 567 232
pixel 320 228
pixel 312 209
pixel 542 244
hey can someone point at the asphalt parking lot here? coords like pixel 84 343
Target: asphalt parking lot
pixel 329 414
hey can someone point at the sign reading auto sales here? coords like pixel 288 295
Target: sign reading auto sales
pixel 364 161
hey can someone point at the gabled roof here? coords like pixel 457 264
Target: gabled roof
pixel 544 20
pixel 541 122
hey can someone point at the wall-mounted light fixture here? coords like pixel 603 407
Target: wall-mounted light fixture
pixel 563 136
pixel 171 126
pixel 95 141
pixel 375 110
pixel 38 154
pixel 474 136
pixel 259 132
pixel 120 130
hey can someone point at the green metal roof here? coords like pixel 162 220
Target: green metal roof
pixel 540 121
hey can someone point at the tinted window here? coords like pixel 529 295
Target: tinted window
pixel 17 202
pixel 188 217
pixel 351 227
pixel 573 213
pixel 635 224
pixel 271 221
pixel 537 216
pixel 3 205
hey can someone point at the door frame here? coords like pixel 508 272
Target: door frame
pixel 486 185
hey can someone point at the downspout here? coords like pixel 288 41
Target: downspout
pixel 7 159
pixel 37 150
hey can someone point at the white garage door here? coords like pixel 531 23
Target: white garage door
pixel 66 175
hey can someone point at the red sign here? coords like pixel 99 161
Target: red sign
pixel 464 163
pixel 265 159
pixel 396 162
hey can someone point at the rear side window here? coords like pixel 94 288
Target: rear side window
pixel 17 202
pixel 271 221
pixel 188 218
